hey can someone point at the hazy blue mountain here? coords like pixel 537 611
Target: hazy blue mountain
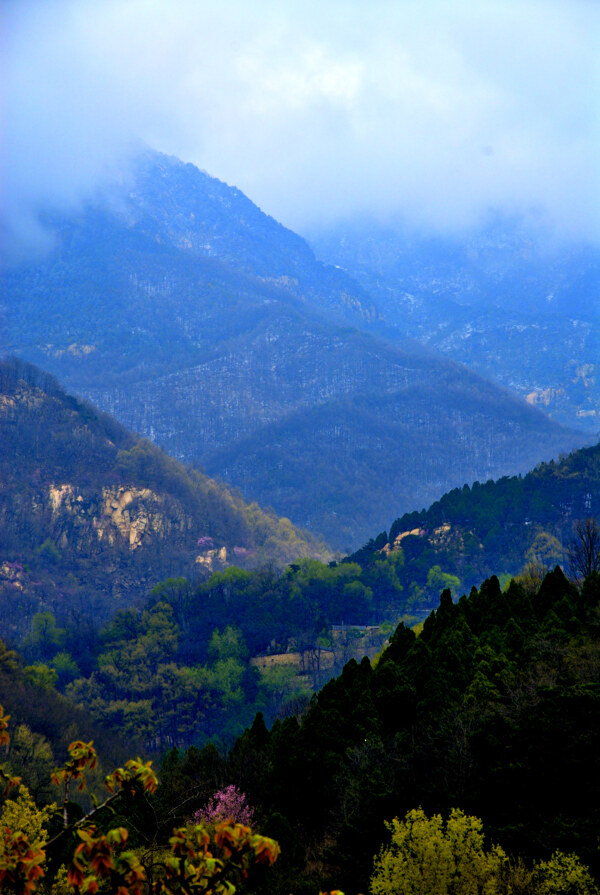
pixel 177 305
pixel 505 299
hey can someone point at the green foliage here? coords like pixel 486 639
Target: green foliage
pixel 41 676
pixel 65 668
pixel 31 758
pixel 497 692
pixel 227 645
pixel 199 861
pixel 438 580
pixel 20 812
pixel 280 688
pixel 43 723
pixel 430 857
pixel 546 551
pixel 498 526
pixel 563 875
pixel 45 638
pixel 178 672
pixel 494 707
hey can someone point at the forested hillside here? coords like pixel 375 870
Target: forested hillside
pixel 494 708
pixel 492 711
pixel 92 517
pixel 43 724
pixel 476 712
pixel 183 660
pixel 497 525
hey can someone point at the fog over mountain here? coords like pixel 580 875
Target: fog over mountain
pixel 519 308
pixel 432 115
pixel 205 325
pixel 317 111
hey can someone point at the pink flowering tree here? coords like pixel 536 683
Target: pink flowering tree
pixel 226 804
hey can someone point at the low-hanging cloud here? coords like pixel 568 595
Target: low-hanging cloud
pixel 433 112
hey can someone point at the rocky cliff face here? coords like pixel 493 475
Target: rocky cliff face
pixel 119 514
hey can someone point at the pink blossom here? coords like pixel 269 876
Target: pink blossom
pixel 226 804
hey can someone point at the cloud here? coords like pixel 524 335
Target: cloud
pixel 435 112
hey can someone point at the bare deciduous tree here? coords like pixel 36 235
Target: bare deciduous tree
pixel 583 553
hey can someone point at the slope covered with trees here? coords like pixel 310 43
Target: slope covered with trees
pixel 199 658
pixel 486 723
pixel 92 517
pixel 199 661
pixel 496 526
pixel 493 709
pixel 43 722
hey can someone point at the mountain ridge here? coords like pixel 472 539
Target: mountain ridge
pixel 506 298
pixel 201 352
pixel 515 526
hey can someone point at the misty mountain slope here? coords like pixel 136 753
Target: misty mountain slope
pixel 195 319
pixel 91 517
pixel 506 299
pixel 367 454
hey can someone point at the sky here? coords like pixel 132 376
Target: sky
pixel 432 112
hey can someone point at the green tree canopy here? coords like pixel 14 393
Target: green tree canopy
pixel 430 857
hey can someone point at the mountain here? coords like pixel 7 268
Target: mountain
pixel 507 299
pixel 381 452
pixel 175 304
pixel 92 517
